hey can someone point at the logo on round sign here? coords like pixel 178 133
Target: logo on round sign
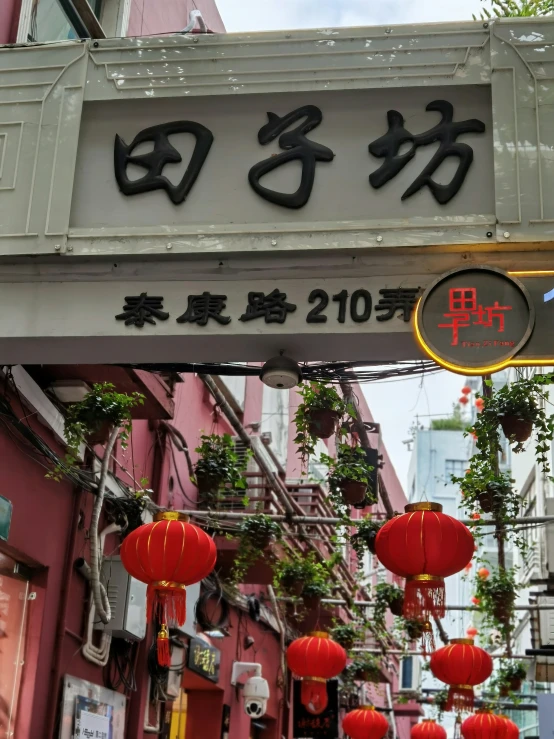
pixel 474 320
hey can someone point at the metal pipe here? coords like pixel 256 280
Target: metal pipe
pixel 371 604
pixel 329 521
pixel 418 653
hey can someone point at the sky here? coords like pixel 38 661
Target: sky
pixel 274 15
pixel 394 405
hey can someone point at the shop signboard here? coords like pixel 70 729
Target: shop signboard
pixel 477 320
pixel 204 659
pixel 324 725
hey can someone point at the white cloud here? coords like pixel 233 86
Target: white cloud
pixel 269 15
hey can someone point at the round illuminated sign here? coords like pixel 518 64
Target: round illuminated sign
pixel 474 320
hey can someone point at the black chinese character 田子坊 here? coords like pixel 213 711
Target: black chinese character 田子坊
pixel 163 153
pixel 202 307
pixel 142 308
pixel 445 132
pixel 296 146
pixel 273 307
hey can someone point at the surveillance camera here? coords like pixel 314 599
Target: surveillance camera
pixel 256 694
pixel 281 373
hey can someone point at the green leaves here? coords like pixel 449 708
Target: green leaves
pixel 220 463
pixel 350 464
pixel 315 396
pixel 516 9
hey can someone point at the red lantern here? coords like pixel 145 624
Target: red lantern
pixel 365 723
pixel 315 658
pixel 475 600
pixel 479 403
pixel 168 555
pixel 463 400
pixel 466 390
pixel 424 545
pixel 428 729
pixel 471 632
pixel 461 665
pixel 483 725
pixel 468 567
pixel 511 730
pixel 483 573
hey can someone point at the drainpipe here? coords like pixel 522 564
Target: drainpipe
pixel 53 700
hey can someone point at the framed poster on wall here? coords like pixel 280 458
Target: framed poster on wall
pixel 90 710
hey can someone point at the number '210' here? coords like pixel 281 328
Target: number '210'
pixel 360 306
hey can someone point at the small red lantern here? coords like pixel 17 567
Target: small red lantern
pixel 463 400
pixel 471 632
pixel 476 601
pixel 365 723
pixel 315 658
pixel 511 730
pixel 428 729
pixel 483 725
pixel 476 517
pixel 461 665
pixel 483 573
pixel 466 390
pixel 424 545
pixel 468 567
pixel 479 403
pixel 168 555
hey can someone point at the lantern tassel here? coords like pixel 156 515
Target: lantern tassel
pixel 164 655
pixel 313 694
pixel 458 727
pixel 167 602
pixel 460 698
pixel 427 639
pixel 424 598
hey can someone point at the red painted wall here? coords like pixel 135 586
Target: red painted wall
pixel 151 17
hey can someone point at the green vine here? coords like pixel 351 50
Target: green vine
pixel 507 675
pixel 346 635
pixel 350 464
pixel 303 575
pixel 364 536
pixel 102 407
pixel 316 396
pixel 385 595
pixel 255 534
pixel 218 466
pixel 496 595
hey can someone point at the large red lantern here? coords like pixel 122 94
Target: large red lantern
pixel 461 665
pixel 483 725
pixel 168 555
pixel 428 729
pixel 424 545
pixel 511 730
pixel 365 723
pixel 315 658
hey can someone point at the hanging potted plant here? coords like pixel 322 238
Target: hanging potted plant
pixel 387 595
pixel 367 529
pixel 92 419
pixel 497 595
pixel 317 416
pixel 510 677
pixel 289 576
pixel 413 628
pixel 313 592
pixel 218 466
pixel 256 534
pixel 481 487
pixel 346 635
pixel 349 475
pixel 365 668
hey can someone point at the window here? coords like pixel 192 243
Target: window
pixel 407 673
pixel 57 20
pixel 456 467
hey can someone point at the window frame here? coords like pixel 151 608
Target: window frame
pixel 113 20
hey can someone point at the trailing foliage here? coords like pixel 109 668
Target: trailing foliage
pixel 316 396
pixel 102 407
pixel 384 595
pixel 346 635
pixel 350 464
pixel 364 666
pixel 255 534
pixel 219 464
pixel 507 673
pixel 497 595
pixel 303 569
pixel 363 538
pixel 516 9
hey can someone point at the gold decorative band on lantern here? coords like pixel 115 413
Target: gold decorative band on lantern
pixel 424 506
pixel 315 679
pixel 319 634
pixel 468 642
pixel 424 578
pixel 461 687
pixel 171 516
pixel 168 584
pixel 366 708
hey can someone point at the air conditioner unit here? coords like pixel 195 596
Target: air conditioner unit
pixel 410 674
pixel 546 621
pixel 127 598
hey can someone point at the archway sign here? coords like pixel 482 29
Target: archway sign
pixel 228 197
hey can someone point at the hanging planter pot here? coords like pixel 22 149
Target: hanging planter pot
pixel 513 686
pixel 503 604
pixel 100 434
pixel 322 422
pixel 516 429
pixel 414 629
pixel 396 605
pixel 207 485
pixel 312 602
pixel 293 587
pixel 353 491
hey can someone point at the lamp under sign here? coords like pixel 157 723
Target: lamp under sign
pixel 6 509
